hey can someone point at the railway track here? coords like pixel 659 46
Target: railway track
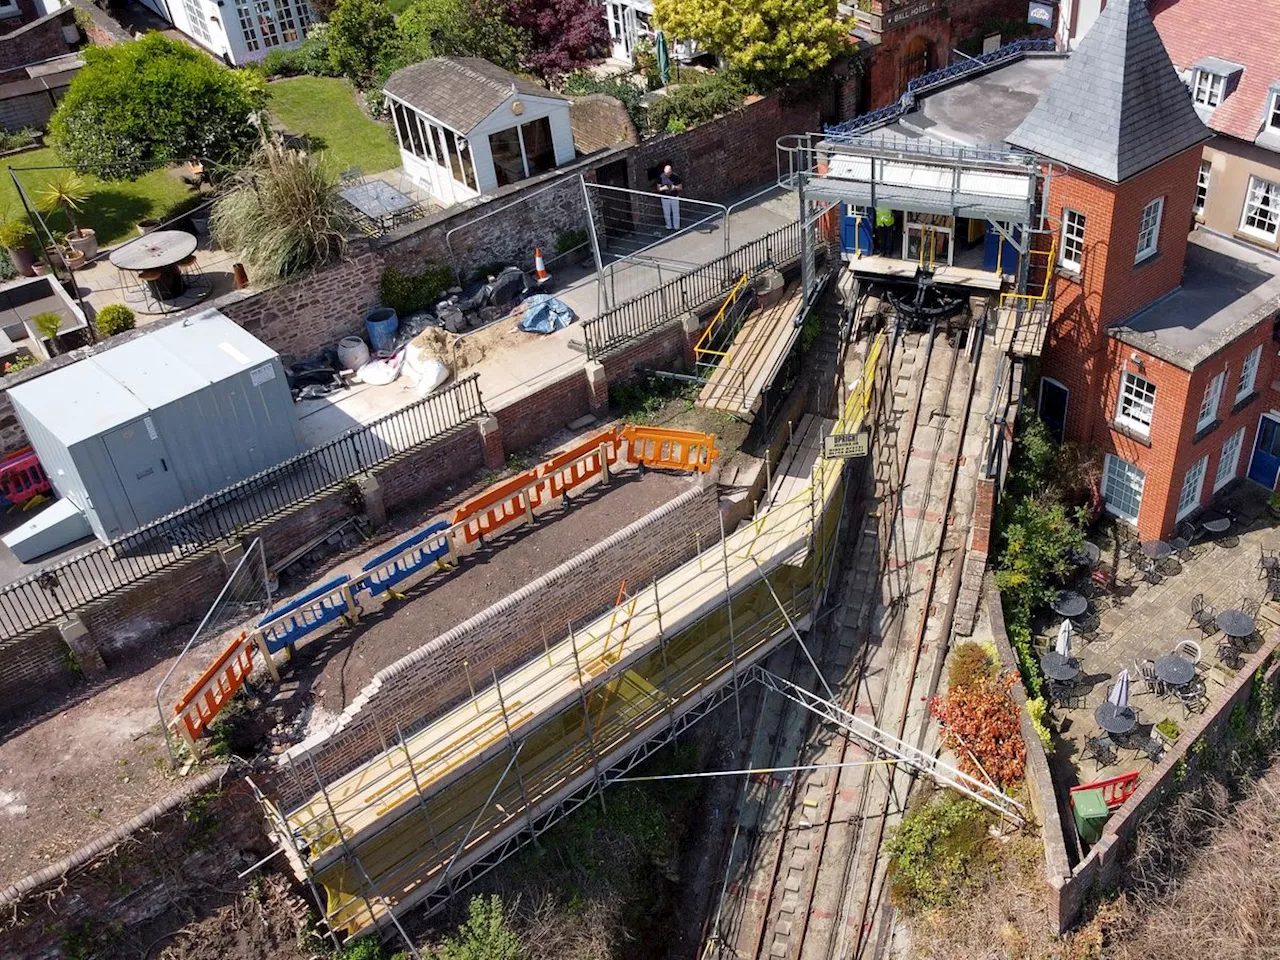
pixel 802 877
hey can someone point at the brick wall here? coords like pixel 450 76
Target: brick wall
pixel 407 480
pixel 101 29
pixel 432 679
pixel 317 310
pixel 599 121
pixel 26 12
pixel 32 666
pixel 37 39
pixel 531 418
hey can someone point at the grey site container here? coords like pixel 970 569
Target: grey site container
pixel 143 429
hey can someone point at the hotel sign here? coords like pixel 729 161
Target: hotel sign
pixel 908 12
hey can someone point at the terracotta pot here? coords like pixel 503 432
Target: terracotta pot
pixel 23 261
pixel 85 241
pixel 239 275
pixel 72 259
pixel 146 226
pixel 39 269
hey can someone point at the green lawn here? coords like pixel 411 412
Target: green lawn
pixel 112 210
pixel 324 109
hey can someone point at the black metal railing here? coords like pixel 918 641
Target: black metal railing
pixel 640 316
pixel 69 584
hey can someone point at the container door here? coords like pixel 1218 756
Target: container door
pixel 146 475
pixel 1266 454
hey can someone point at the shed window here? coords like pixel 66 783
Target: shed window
pixel 523 151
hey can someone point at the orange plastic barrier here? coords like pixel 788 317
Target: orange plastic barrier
pixel 208 695
pixel 492 510
pixel 671 449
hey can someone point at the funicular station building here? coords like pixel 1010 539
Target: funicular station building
pixel 1066 184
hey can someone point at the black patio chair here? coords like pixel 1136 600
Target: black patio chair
pixel 1145 670
pixel 1193 698
pixel 1184 540
pixel 1251 607
pixel 1230 656
pixel 1148 569
pixel 1102 750
pixel 1268 563
pixel 1203 616
pixel 1152 746
pixel 1068 694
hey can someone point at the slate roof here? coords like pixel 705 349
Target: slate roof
pixel 1118 107
pixel 460 91
pixel 1232 31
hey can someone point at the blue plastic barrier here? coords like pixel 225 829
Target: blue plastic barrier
pixel 305 614
pixel 401 561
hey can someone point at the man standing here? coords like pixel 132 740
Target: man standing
pixel 670 186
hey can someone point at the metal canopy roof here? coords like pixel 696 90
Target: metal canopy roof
pixel 997 190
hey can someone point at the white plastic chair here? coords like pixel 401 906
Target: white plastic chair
pixel 1189 649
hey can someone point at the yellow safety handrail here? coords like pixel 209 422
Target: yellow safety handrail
pixel 1027 299
pixel 700 349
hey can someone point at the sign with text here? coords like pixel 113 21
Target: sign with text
pixel 842 446
pixel 1040 13
pixel 904 13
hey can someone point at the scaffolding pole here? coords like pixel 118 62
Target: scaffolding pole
pixel 733 646
pixel 586 716
pixel 511 743
pixel 422 800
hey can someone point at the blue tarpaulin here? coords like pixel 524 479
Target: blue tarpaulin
pixel 543 313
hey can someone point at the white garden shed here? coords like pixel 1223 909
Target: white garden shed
pixel 467 127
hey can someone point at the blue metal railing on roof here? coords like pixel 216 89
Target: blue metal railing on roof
pixel 929 81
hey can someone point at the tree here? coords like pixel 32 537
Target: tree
pixel 767 41
pixel 460 28
pixel 361 35
pixel 565 35
pixel 282 214
pixel 139 106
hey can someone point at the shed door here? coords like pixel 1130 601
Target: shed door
pixel 147 476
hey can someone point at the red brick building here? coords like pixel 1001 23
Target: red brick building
pixel 1159 352
pixel 908 38
pixel 1159 333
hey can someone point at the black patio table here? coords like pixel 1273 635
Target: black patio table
pixel 1216 526
pixel 1057 667
pixel 1174 670
pixel 1236 624
pixel 1113 719
pixel 1157 549
pixel 1069 604
pixel 1088 555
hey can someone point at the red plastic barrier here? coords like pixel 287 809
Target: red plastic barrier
pixel 1115 790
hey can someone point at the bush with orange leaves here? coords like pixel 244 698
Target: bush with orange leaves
pixel 980 722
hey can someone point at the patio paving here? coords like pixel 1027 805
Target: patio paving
pixel 1150 622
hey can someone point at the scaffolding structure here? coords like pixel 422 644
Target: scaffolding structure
pixel 445 803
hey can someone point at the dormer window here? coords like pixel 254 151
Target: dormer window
pixel 1207 88
pixel 1273 112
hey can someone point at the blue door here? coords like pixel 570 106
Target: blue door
pixel 855 230
pixel 999 252
pixel 1266 454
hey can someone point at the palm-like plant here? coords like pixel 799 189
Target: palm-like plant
pixel 282 214
pixel 66 192
pixel 48 324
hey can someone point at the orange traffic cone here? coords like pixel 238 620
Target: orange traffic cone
pixel 540 268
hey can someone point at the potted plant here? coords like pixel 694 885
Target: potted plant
pixel 16 237
pixel 114 318
pixel 48 324
pixel 66 193
pixel 147 225
pixel 1169 729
